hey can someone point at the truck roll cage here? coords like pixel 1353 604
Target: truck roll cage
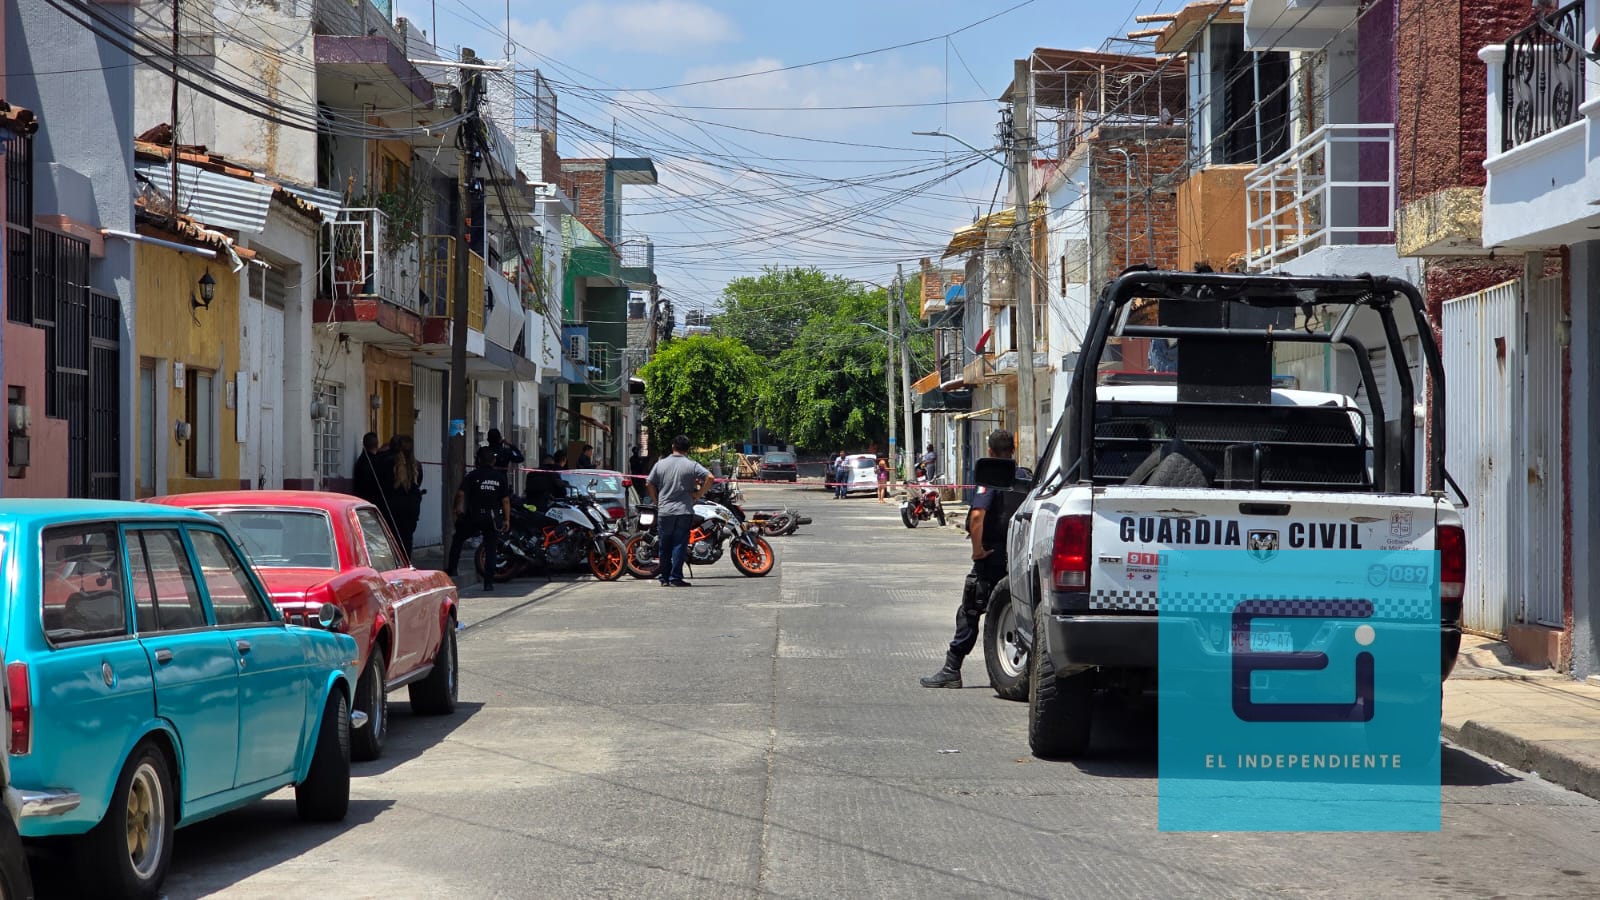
pixel 1274 292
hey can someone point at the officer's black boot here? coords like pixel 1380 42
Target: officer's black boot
pixel 947 677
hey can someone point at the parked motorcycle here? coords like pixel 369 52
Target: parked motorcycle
pixel 568 532
pixel 921 504
pixel 718 527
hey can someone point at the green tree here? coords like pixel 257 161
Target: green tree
pixel 703 386
pixel 768 311
pixel 827 388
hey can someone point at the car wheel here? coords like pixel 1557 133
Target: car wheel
pixel 372 698
pixel 1060 708
pixel 1004 653
pixel 15 881
pixel 436 694
pixel 324 796
pixel 127 854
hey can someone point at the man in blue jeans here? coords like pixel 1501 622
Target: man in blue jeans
pixel 675 483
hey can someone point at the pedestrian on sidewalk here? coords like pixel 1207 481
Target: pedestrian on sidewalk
pixel 675 483
pixel 883 481
pixel 403 489
pixel 986 529
pixel 481 499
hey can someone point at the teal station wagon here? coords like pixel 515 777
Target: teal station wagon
pixel 152 685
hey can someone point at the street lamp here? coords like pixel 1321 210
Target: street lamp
pixel 944 134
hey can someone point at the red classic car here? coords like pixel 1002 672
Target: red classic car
pixel 312 548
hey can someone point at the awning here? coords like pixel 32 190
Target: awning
pixel 990 230
pixel 979 413
pixel 588 420
pixel 217 200
pixel 926 383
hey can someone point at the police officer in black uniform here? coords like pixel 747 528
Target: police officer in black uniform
pixel 482 495
pixel 987 521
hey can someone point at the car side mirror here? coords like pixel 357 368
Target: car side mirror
pixel 996 472
pixel 330 617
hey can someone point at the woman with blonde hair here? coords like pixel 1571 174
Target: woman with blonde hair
pixel 404 490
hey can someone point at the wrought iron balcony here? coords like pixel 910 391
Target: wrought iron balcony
pixel 1543 76
pixel 1335 186
pixel 361 261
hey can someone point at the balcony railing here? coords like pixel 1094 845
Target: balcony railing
pixel 1544 83
pixel 439 281
pixel 1336 186
pixel 360 261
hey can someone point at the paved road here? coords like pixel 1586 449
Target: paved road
pixel 766 737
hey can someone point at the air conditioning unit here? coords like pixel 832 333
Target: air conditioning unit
pixel 578 347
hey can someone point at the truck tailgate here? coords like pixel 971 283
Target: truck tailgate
pixel 1133 527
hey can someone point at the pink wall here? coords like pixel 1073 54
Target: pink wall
pixel 22 365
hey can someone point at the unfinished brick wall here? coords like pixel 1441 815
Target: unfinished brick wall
pixel 584 180
pixel 1137 218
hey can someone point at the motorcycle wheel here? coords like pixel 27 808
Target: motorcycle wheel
pixel 639 556
pixel 753 561
pixel 938 513
pixel 506 566
pixel 908 517
pixel 778 525
pixel 607 560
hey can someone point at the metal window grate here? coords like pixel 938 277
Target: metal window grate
pixel 329 439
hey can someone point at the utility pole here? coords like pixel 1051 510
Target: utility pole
pixel 1022 252
pixel 888 365
pixel 469 142
pixel 174 147
pixel 905 377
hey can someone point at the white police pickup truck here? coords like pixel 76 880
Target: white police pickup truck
pixel 1200 449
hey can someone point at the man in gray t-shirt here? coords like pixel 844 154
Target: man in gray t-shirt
pixel 675 483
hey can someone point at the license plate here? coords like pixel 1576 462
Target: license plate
pixel 1263 641
pixel 647 519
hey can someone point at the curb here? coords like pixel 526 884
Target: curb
pixel 1538 757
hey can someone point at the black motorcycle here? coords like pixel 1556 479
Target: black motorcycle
pixel 570 531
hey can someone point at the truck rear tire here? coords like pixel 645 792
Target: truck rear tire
pixel 1060 708
pixel 1003 653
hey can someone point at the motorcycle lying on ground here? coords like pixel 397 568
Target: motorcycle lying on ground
pixel 570 531
pixel 778 522
pixel 921 504
pixel 719 527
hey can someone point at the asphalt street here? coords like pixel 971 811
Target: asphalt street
pixel 767 737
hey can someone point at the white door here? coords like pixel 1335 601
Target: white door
pixel 430 448
pixel 269 394
pixel 1482 362
pixel 1541 457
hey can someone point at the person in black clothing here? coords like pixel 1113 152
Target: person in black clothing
pixel 544 484
pixel 505 455
pixel 585 459
pixel 366 476
pixel 483 495
pixel 986 527
pixel 402 483
pixel 639 469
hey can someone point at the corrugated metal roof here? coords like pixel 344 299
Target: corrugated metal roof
pixel 220 201
pixel 329 202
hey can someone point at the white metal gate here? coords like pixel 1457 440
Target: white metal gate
pixel 430 448
pixel 1541 456
pixel 1482 359
pixel 269 393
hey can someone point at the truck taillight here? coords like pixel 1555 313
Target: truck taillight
pixel 1069 559
pixel 1452 562
pixel 20 703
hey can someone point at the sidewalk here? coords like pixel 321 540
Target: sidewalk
pixel 1536 720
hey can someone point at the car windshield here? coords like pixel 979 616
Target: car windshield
pixel 602 483
pixel 281 538
pixel 780 458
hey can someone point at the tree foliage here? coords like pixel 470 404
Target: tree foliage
pixel 768 311
pixel 704 386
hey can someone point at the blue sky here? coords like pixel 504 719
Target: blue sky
pixel 788 178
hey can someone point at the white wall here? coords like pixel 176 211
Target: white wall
pixel 1068 222
pixel 340 362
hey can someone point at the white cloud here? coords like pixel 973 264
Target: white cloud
pixel 645 26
